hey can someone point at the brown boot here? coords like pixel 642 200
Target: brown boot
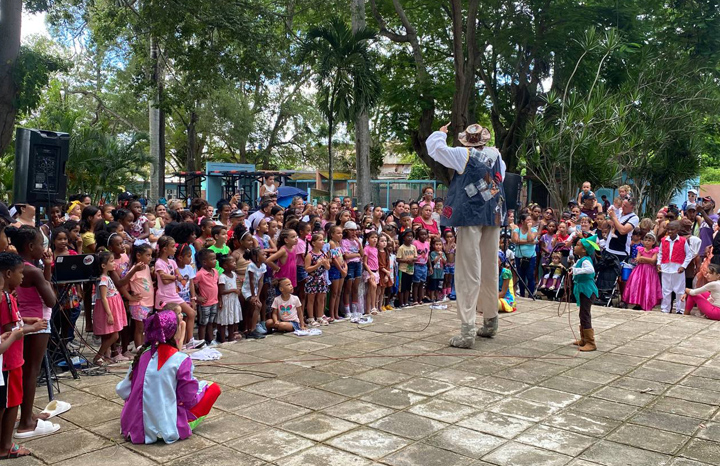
pixel 589 337
pixel 581 341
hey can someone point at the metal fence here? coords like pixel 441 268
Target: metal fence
pixel 385 192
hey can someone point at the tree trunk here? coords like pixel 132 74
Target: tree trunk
pixel 10 24
pixel 362 126
pixel 192 143
pixel 331 186
pixel 157 175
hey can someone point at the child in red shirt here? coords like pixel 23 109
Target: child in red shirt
pixel 11 391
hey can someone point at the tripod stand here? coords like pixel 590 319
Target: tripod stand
pixel 57 344
pixel 511 266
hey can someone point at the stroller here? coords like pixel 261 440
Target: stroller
pixel 608 269
pixel 554 276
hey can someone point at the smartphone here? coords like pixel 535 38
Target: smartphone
pixel 314 202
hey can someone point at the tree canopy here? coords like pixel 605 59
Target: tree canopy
pixel 234 81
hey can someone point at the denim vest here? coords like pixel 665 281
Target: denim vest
pixel 477 196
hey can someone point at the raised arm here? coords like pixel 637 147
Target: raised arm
pixel 451 157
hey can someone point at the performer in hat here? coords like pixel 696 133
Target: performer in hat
pixel 163 400
pixel 475 206
pixel 584 289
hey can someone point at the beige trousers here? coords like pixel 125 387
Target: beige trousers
pixel 476 272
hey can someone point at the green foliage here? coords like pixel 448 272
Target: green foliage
pixel 32 72
pixel 420 171
pixel 344 69
pixel 377 156
pixel 710 175
pixel 101 164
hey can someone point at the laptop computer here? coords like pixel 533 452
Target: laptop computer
pixel 75 269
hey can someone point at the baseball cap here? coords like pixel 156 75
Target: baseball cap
pixel 5 213
pixel 350 225
pixel 691 205
pixel 237 214
pixel 693 191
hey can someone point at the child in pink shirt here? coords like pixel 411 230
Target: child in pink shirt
pixel 421 270
pixel 206 282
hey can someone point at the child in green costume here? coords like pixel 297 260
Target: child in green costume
pixel 584 288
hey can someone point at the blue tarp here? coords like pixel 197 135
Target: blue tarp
pixel 286 194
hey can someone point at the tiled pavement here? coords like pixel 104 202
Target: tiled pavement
pixel 649 396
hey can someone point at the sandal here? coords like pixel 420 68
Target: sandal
pixel 16 451
pixel 119 358
pixel 41 428
pixel 101 361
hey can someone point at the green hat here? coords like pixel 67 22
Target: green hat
pixel 590 244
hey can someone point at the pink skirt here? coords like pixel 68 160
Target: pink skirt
pixel 117 309
pixel 643 288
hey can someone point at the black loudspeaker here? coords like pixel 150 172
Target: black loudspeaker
pixel 513 189
pixel 40 158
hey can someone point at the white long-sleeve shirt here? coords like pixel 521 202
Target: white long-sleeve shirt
pixel 672 267
pixel 712 287
pixel 453 157
pixel 583 268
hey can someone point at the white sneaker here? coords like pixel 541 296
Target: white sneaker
pixel 665 312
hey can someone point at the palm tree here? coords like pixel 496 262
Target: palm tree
pixel 100 163
pixel 344 74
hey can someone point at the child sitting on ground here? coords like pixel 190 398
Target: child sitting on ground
pixel 506 289
pixel 707 296
pixel 286 309
pixel 162 398
pixel 553 273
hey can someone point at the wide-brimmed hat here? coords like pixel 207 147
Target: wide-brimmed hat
pixel 474 136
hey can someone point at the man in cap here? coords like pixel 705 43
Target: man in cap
pixel 475 206
pixel 707 218
pixel 5 217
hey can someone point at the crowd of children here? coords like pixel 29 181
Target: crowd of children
pixel 664 257
pixel 204 275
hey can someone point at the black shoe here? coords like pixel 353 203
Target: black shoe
pixel 254 335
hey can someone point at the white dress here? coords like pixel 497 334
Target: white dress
pixel 230 313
